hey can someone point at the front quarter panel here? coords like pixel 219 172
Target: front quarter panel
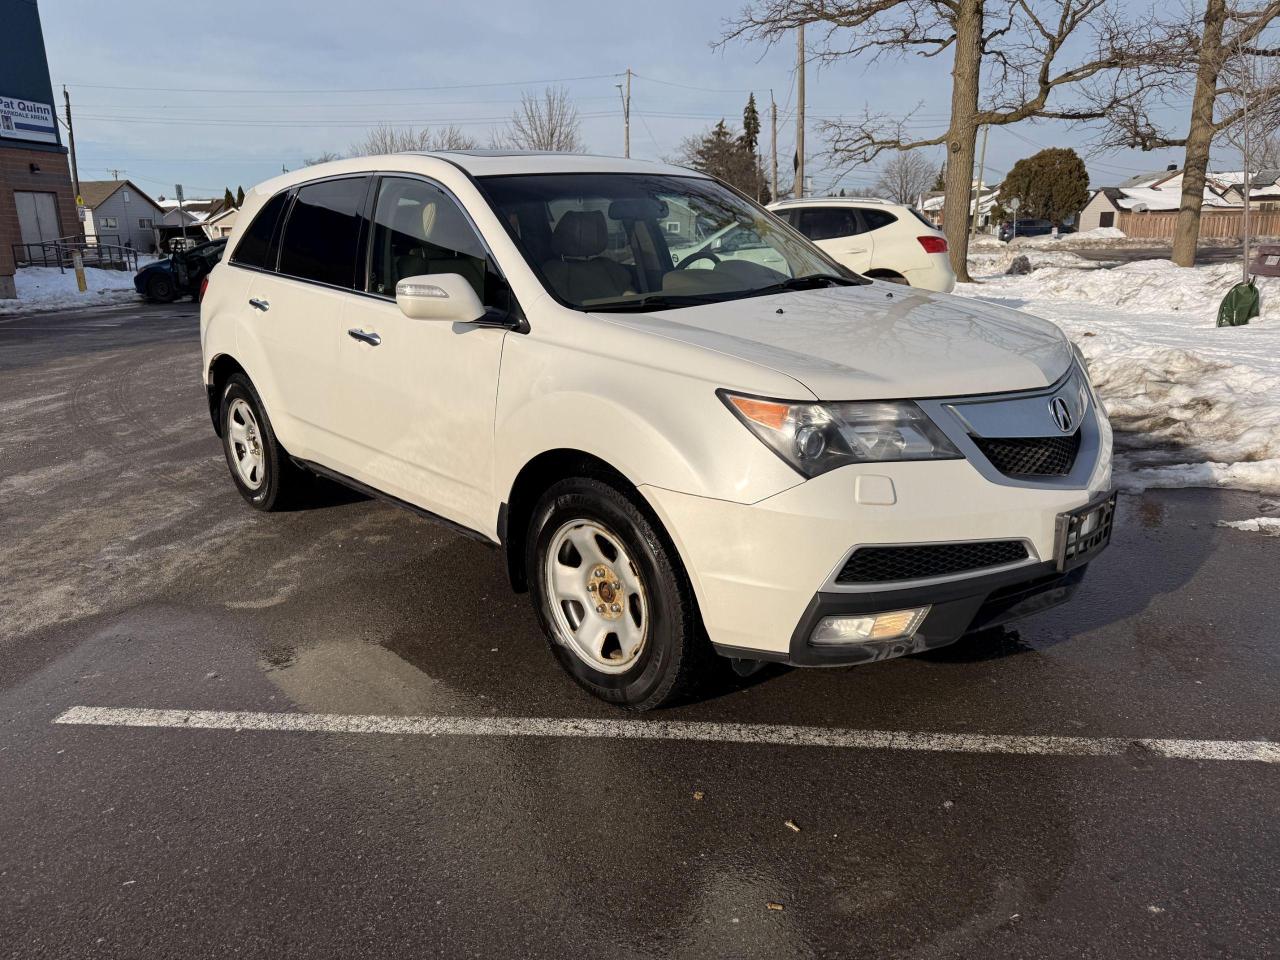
pixel 645 405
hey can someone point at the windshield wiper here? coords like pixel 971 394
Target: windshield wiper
pixel 811 281
pixel 653 301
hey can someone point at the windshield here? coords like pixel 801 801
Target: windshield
pixel 627 241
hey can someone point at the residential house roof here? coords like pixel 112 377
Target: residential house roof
pixel 97 192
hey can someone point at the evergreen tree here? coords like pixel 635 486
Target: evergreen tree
pixel 227 199
pixel 239 197
pixel 750 126
pixel 1052 185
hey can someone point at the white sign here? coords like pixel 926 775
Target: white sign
pixel 177 189
pixel 27 120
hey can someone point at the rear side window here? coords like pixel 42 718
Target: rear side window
pixel 256 248
pixel 827 223
pixel 323 231
pixel 922 218
pixel 875 219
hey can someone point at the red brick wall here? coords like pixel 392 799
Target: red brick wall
pixel 15 174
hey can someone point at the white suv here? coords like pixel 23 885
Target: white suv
pixel 772 463
pixel 876 238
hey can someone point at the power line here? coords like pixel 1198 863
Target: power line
pixel 450 86
pixel 689 86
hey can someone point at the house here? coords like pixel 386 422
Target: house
pixel 37 202
pixel 932 204
pixel 1264 188
pixel 117 212
pixel 187 219
pixel 1147 193
pixel 221 223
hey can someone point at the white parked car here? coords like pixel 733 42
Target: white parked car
pixel 876 238
pixel 791 464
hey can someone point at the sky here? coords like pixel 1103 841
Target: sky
pixel 228 94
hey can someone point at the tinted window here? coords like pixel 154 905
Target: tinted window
pixel 921 217
pixel 323 230
pixel 419 229
pixel 826 223
pixel 255 248
pixel 875 219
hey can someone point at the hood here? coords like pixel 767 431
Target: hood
pixel 875 342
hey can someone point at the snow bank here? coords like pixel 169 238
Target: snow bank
pixel 1267 525
pixel 45 288
pixel 1193 404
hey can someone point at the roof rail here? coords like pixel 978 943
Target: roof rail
pixel 837 199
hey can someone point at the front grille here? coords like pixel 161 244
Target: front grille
pixel 1031 456
pixel 887 564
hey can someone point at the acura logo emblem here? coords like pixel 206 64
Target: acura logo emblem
pixel 1061 414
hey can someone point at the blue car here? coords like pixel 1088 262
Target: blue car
pixel 179 276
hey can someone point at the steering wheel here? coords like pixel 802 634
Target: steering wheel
pixel 696 256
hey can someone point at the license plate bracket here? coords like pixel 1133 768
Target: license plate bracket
pixel 1084 532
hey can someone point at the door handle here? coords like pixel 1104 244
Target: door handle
pixel 257 304
pixel 370 338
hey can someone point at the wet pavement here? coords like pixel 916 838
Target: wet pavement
pixel 136 577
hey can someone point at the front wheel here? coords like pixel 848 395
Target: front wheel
pixel 612 597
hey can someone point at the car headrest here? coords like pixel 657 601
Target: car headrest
pixel 580 233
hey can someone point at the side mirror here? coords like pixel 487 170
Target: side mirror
pixel 439 296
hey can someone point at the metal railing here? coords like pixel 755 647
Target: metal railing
pixel 57 253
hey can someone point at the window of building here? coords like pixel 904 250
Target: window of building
pixel 322 232
pixel 1107 219
pixel 145 223
pixel 108 223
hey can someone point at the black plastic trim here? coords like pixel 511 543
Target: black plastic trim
pixel 958 607
pixel 369 491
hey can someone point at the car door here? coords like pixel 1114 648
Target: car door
pixel 417 397
pixel 838 231
pixel 297 311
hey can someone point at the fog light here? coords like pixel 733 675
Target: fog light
pixel 897 625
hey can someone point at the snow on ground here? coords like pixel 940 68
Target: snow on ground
pixel 1193 404
pixel 45 288
pixel 1267 525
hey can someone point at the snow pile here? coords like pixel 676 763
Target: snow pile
pixel 1267 525
pixel 988 261
pixel 1193 404
pixel 1100 233
pixel 45 288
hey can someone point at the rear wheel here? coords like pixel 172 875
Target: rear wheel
pixel 260 467
pixel 612 598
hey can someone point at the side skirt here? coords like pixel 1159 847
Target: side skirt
pixel 369 491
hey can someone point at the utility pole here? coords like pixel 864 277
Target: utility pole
pixel 115 174
pixel 799 189
pixel 75 169
pixel 773 130
pixel 625 93
pixel 982 172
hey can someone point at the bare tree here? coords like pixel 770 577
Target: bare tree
pixel 1023 44
pixel 1209 57
pixel 388 139
pixel 324 157
pixel 905 176
pixel 547 122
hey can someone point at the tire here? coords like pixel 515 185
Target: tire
pixel 271 481
pixel 655 597
pixel 161 289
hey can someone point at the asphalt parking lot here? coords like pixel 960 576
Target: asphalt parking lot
pixel 1098 781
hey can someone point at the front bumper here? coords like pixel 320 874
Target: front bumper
pixel 765 573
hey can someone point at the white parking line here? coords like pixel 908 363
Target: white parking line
pixel 1262 751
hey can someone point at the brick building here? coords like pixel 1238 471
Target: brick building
pixel 36 199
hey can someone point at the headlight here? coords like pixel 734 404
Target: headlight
pixel 817 437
